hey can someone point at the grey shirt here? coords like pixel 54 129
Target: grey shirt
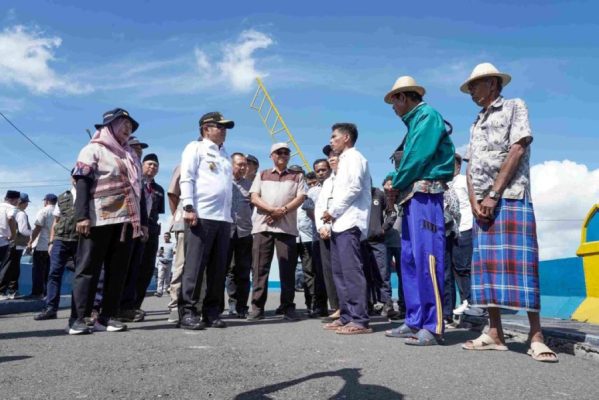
pixel 241 210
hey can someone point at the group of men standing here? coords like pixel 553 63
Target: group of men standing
pixel 229 218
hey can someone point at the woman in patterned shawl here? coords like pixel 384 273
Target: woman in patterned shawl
pixel 110 212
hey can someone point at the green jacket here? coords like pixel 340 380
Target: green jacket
pixel 428 153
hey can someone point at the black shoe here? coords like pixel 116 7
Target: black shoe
pixel 255 315
pixel 242 314
pixel 291 315
pixel 110 325
pixel 279 310
pixel 191 322
pixel 217 323
pixel 79 327
pixel 46 314
pixel 318 313
pixel 139 315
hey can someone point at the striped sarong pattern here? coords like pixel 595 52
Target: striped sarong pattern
pixel 505 262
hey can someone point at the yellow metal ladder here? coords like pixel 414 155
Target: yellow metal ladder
pixel 273 121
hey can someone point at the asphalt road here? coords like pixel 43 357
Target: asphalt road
pixel 269 359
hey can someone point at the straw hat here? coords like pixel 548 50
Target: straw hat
pixel 404 84
pixel 482 71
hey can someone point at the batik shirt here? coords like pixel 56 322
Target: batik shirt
pixel 504 123
pixel 451 212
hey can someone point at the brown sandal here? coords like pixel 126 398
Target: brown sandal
pixel 353 329
pixel 333 326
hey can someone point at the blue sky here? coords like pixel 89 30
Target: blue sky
pixel 323 62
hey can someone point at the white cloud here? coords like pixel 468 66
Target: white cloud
pixel 562 193
pixel 237 65
pixel 25 57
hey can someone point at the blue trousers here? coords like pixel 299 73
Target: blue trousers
pixel 60 255
pixel 422 261
pixel 348 273
pixel 394 253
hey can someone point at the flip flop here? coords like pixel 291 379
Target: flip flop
pixel 403 331
pixel 333 326
pixel 353 329
pixel 537 349
pixel 423 338
pixel 483 342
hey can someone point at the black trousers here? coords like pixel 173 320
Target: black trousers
pixel 262 254
pixel 239 264
pixel 129 297
pixel 314 289
pixel 39 272
pixel 327 273
pixel 206 251
pixel 146 269
pixel 10 269
pixel 102 246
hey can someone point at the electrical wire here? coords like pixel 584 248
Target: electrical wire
pixel 33 143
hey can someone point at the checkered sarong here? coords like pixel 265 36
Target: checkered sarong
pixel 505 262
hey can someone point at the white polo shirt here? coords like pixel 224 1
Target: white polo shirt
pixel 460 187
pixel 207 180
pixel 44 219
pixel 7 211
pixel 350 203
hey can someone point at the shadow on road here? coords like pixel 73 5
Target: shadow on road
pixel 4 359
pixel 352 388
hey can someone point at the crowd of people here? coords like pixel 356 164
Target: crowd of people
pixel 433 226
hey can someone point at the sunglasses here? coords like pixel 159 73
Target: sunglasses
pixel 217 126
pixel 282 152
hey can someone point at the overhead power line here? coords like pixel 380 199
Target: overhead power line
pixel 33 143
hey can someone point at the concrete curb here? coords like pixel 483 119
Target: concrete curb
pixel 569 341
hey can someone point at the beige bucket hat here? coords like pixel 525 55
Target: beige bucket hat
pixel 482 71
pixel 404 84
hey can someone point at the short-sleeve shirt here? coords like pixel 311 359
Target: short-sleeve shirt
pixel 277 189
pixel 7 211
pixel 504 123
pixel 305 225
pixel 44 220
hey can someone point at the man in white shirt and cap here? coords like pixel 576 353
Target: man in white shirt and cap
pixel 206 193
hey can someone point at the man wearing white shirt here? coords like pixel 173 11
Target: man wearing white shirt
pixel 349 212
pixel 40 238
pixel 462 246
pixel 8 231
pixel 206 194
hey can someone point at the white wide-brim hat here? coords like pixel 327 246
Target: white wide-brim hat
pixel 404 84
pixel 482 71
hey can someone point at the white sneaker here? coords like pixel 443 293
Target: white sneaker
pixel 4 297
pixel 462 308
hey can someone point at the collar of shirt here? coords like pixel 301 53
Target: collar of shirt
pixel 210 143
pixel 498 103
pixel 409 115
pixel 285 171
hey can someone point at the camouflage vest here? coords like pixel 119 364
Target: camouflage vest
pixel 65 227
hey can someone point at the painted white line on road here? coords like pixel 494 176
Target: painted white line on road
pixel 199 347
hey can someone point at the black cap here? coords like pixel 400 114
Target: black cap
pixel 251 158
pixel 151 157
pixel 217 118
pixel 327 150
pixel 51 197
pixel 296 168
pixel 111 115
pixel 133 141
pixel 12 194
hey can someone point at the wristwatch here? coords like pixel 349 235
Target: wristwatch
pixel 494 195
pixel 188 208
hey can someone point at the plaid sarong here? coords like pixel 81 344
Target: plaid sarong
pixel 505 262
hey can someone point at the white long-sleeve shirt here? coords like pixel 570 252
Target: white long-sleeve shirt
pixel 461 189
pixel 23 226
pixel 321 204
pixel 350 203
pixel 207 180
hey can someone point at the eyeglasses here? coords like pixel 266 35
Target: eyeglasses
pixel 282 152
pixel 217 126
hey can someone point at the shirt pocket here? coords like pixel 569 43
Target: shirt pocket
pixel 114 206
